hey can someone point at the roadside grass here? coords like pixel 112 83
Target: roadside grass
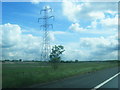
pixel 23 75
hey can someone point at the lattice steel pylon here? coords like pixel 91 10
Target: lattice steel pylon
pixel 45 47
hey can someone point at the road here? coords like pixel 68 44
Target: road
pixel 112 84
pixel 89 80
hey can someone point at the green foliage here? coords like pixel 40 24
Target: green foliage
pixel 76 61
pixel 20 60
pixel 56 52
pixel 55 55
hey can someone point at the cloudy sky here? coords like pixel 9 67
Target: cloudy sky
pixel 87 30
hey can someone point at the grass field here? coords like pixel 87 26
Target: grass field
pixel 25 74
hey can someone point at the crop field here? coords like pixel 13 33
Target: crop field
pixel 22 74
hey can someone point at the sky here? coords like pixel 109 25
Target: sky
pixel 87 30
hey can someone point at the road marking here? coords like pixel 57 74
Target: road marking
pixel 98 86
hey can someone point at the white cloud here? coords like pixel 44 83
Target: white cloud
pixel 35 1
pixel 102 26
pixel 94 24
pixel 76 27
pixel 71 10
pixel 101 41
pixel 98 48
pixel 52 36
pixel 73 51
pixel 88 11
pixel 16 45
pixel 27 46
pixel 110 21
pixel 111 12
pixel 101 47
pixel 53 33
pixel 97 15
pixel 9 30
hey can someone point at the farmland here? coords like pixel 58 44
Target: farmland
pixel 23 74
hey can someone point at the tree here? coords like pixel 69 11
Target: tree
pixel 20 60
pixel 55 55
pixel 76 61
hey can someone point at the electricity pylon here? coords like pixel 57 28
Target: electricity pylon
pixel 45 47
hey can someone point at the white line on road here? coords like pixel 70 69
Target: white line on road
pixel 98 86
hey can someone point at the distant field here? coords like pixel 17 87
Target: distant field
pixel 24 74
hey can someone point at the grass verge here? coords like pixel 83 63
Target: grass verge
pixel 21 75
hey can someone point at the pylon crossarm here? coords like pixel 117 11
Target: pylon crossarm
pixel 42 11
pixel 46 9
pixel 39 19
pixel 51 17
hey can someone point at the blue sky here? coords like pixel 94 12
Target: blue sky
pixel 26 14
pixel 83 28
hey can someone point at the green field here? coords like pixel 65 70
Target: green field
pixel 25 74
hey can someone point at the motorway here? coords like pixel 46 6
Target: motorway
pixel 89 80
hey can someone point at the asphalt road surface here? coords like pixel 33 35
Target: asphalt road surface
pixel 112 84
pixel 89 80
